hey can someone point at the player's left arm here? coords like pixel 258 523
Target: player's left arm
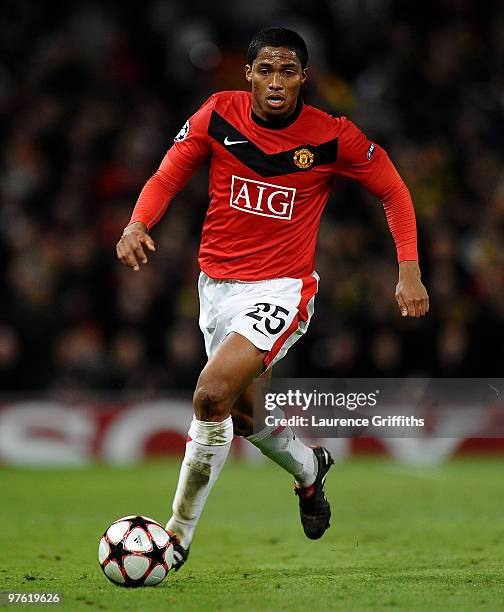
pixel 367 163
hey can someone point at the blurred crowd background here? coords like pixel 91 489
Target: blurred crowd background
pixel 91 96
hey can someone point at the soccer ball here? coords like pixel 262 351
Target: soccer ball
pixel 135 551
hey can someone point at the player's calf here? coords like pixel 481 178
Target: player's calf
pixel 207 447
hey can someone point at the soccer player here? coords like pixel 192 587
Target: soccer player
pixel 273 159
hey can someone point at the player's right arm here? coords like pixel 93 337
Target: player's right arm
pixel 191 147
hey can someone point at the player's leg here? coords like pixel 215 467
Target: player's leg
pixel 287 450
pixel 309 466
pixel 228 372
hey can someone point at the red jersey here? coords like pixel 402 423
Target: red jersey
pixel 269 183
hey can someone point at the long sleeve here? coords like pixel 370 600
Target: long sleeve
pixel 369 164
pixel 191 147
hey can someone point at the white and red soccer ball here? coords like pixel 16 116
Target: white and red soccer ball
pixel 135 551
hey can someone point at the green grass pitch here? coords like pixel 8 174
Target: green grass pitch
pixel 401 538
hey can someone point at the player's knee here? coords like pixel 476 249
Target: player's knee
pixel 211 400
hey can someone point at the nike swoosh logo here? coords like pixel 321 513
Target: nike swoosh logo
pixel 257 329
pixel 228 142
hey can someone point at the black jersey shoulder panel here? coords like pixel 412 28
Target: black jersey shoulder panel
pixel 262 163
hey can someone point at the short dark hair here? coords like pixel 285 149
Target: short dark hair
pixel 278 37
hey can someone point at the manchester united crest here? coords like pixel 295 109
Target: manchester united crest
pixel 303 158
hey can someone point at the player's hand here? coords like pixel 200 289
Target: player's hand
pixel 130 248
pixel 411 295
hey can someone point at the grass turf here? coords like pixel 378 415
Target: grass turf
pixel 402 538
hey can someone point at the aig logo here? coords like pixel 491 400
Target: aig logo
pixel 261 198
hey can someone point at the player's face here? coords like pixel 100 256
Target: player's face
pixel 276 77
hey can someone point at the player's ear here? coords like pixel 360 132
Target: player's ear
pixel 248 73
pixel 304 75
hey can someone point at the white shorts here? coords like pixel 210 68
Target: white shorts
pixel 272 314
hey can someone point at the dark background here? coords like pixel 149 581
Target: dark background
pixel 91 96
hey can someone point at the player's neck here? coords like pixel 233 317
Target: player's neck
pixel 280 122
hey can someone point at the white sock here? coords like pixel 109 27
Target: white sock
pixel 206 452
pixel 288 451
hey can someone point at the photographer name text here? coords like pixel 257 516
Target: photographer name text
pixel 314 421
